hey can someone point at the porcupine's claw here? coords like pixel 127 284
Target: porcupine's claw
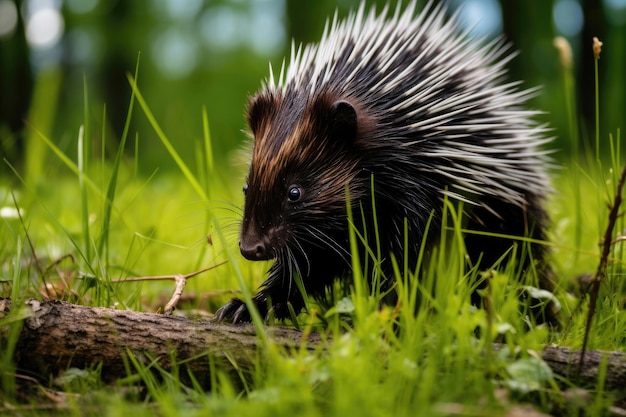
pixel 234 312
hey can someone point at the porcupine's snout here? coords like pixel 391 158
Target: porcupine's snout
pixel 255 249
pixel 256 246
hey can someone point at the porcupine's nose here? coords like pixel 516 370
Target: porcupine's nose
pixel 256 250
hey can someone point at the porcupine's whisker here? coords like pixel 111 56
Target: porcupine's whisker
pixel 237 211
pixel 223 207
pixel 296 240
pixel 285 256
pixel 280 267
pixel 328 242
pixel 228 221
pixel 293 264
pixel 298 275
pixel 232 224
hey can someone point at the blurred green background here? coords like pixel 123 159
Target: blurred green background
pixel 215 53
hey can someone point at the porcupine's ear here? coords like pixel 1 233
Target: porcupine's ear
pixel 343 121
pixel 261 109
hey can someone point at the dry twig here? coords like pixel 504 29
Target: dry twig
pixel 179 279
pixel 594 285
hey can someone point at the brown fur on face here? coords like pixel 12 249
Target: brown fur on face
pixel 312 145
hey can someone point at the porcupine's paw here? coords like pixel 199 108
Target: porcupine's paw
pixel 235 312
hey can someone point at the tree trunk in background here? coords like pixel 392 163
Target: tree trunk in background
pixel 523 24
pixel 16 89
pixel 528 26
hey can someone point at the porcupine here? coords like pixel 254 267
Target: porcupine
pixel 403 109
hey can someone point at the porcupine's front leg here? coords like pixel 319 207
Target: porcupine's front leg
pixel 236 310
pixel 272 300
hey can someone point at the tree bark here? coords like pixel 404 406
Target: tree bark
pixel 58 335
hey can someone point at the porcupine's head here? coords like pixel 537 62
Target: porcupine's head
pixel 303 159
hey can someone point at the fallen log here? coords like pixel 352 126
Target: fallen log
pixel 57 335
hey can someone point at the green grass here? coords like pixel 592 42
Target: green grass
pixel 84 225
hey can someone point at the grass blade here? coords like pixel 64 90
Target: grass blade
pixel 110 195
pixel 166 142
pixel 84 198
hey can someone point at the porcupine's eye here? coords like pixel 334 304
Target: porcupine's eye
pixel 294 194
pixel 245 189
